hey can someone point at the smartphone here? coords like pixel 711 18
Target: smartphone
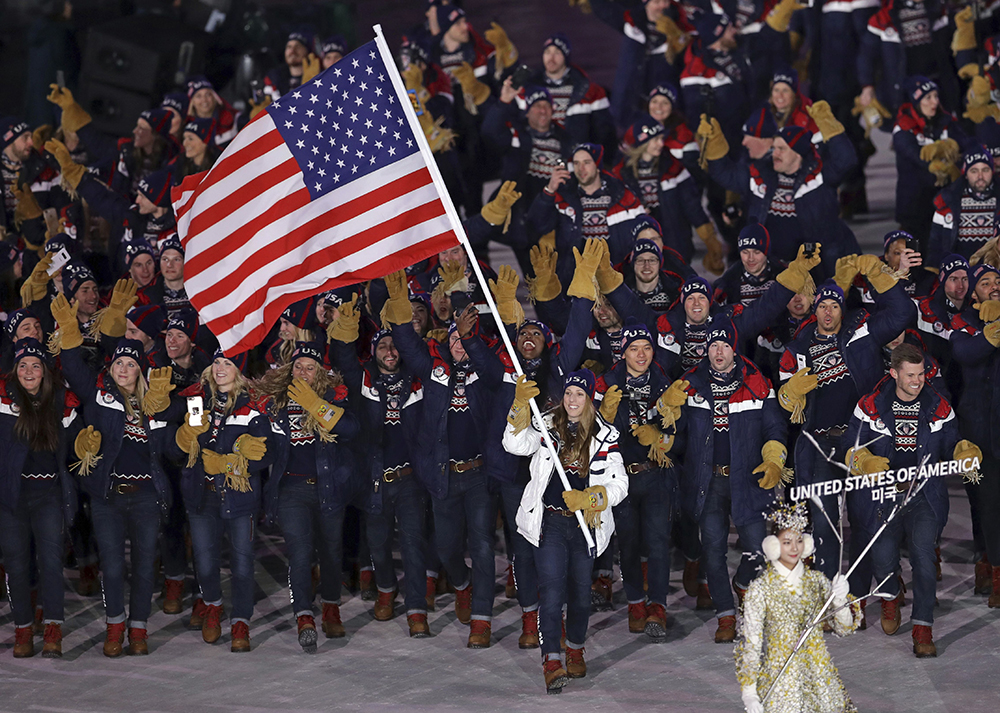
pixel 59 261
pixel 913 244
pixel 520 76
pixel 809 249
pixel 482 308
pixel 51 221
pixel 61 78
pixel 195 407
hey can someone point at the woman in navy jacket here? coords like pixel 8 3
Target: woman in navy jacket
pixel 121 470
pixel 221 486
pixel 312 480
pixel 38 418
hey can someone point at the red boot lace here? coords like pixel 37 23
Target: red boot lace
pixel 529 622
pixel 53 633
pixel 212 615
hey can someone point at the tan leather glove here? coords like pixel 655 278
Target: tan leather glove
pixel 989 311
pixel 711 140
pixel 713 260
pixel 506 52
pixel 992 333
pixel 944 172
pixel 186 437
pixel 979 102
pixel 258 107
pixel 74 117
pixel 872 115
pixel 471 86
pixel 545 286
pixel 519 415
pixel 232 465
pixel 27 207
pixel 823 116
pixel 876 271
pixel 795 275
pixel 677 40
pixel 942 150
pixel 397 309
pixel 36 286
pixel 781 16
pixel 583 283
pixel 113 317
pixel 792 394
pixel 774 454
pixel 87 447
pixel 453 278
pixel 65 316
pixel 862 461
pixel 504 290
pixel 346 327
pixel 967 449
pixel 311 66
pixel 326 414
pixel 497 211
pixel 593 498
pixel 965 31
pixel 251 447
pixel 72 172
pixel 845 272
pixel 609 404
pixel 157 396
pixel 670 402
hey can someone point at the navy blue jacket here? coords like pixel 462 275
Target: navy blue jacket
pixel 873 423
pixel 979 405
pixel 16 451
pixel 947 218
pixel 754 415
pixel 632 450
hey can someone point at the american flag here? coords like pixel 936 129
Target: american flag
pixel 327 187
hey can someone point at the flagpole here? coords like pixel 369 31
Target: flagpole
pixel 456 225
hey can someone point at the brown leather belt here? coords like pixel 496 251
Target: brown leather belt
pixel 463 466
pixel 832 432
pixel 635 468
pixel 125 488
pixel 310 480
pixel 394 474
pixel 559 511
pixel 722 470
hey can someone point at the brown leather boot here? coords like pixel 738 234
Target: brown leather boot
pixel 37 626
pixel 704 600
pixel 576 667
pixel 52 648
pixel 463 604
pixel 726 632
pixel 418 626
pixel 656 622
pixel 994 602
pixel 173 593
pixel 891 616
pixel 555 676
pixel 431 593
pixel 510 589
pixel 333 627
pixel 529 630
pixel 197 614
pixel 307 633
pixel 87 585
pixel 137 642
pixel 923 642
pixel 637 617
pixel 984 576
pixel 479 634
pixel 366 582
pixel 24 642
pixel 114 639
pixel 690 578
pixel 384 606
pixel 241 638
pixel 211 627
pixel 741 593
pixel 600 594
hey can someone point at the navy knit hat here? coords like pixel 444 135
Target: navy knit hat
pixel 583 379
pixel 134 248
pixel 131 348
pixel 979 154
pixel 74 274
pixel 197 83
pixel 10 129
pixel 951 264
pixel 305 37
pixel 643 129
pixel 14 320
pixel 711 26
pixel 59 241
pixel 450 17
pixel 798 139
pixel 635 331
pixel 335 298
pixel 156 187
pixel 238 360
pixel 893 236
pixel 754 236
pixel 159 120
pixel 918 87
pixel 29 347
pixel 829 291
pixel 536 94
pixel 151 319
pixel 171 243
pixel 760 124
pixel 665 90
pixel 185 321
pixel 204 129
pixel 334 44
pixel 561 42
pixel 695 284
pixel 988 131
pixel 9 254
pixel 596 151
pixel 723 331
pixel 414 51
pixel 542 327
pixel 300 313
pixel 178 101
pixel 310 350
pixel 642 223
pixel 645 245
pixel 786 75
pixel 979 272
pixel 378 337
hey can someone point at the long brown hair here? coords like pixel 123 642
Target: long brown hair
pixel 273 386
pixel 240 386
pixel 633 155
pixel 39 415
pixel 575 449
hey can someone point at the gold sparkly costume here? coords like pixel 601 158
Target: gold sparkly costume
pixel 779 605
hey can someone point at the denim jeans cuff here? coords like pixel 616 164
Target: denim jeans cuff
pixel 553 657
pixel 727 612
pixel 920 622
pixel 460 587
pixel 235 620
pixel 432 573
pixel 604 573
pixel 335 602
pixel 638 601
pixel 533 607
pixel 480 617
pixel 304 612
pixel 216 603
pixel 388 590
pixel 52 621
pixel 571 645
pixel 175 577
pixel 416 611
pixel 137 625
pixel 120 619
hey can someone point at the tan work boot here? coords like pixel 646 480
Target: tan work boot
pixel 529 630
pixel 726 632
pixel 479 634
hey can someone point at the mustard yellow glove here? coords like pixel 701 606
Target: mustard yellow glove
pixel 157 396
pixel 583 283
pixel 504 290
pixel 311 66
pixel 944 172
pixel 506 52
pixel 979 102
pixel 670 402
pixel 713 260
pixel 967 449
pixel 711 139
pixel 823 116
pixel 965 31
pixel 609 404
pixel 250 447
pixel 86 446
pixel 27 207
pixel 968 71
pixel 497 211
pixel 74 117
pixel 845 272
pixel 647 434
pixel 774 454
pixel 397 309
pixel 792 394
pixel 232 465
pixel 989 311
pixel 72 172
pixel 677 40
pixel 112 321
pixel 345 328
pixel 36 286
pixel 258 107
pixel 593 498
pixel 862 461
pixel 519 415
pixel 65 316
pixel 992 333
pixel 545 286
pixel 781 16
pixel 659 450
pixel 186 437
pixel 471 86
pixel 326 414
pixel 872 115
pixel 453 278
pixel 608 278
pixel 942 150
pixel 877 272
pixel 795 275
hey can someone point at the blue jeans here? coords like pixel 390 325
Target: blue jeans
pixel 173 552
pixel 468 502
pixel 404 503
pixel 920 526
pixel 136 516
pixel 564 566
pixel 827 545
pixel 309 531
pixel 714 525
pixel 38 514
pixel 522 555
pixel 643 523
pixel 207 528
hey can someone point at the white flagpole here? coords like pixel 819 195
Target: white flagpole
pixel 456 225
